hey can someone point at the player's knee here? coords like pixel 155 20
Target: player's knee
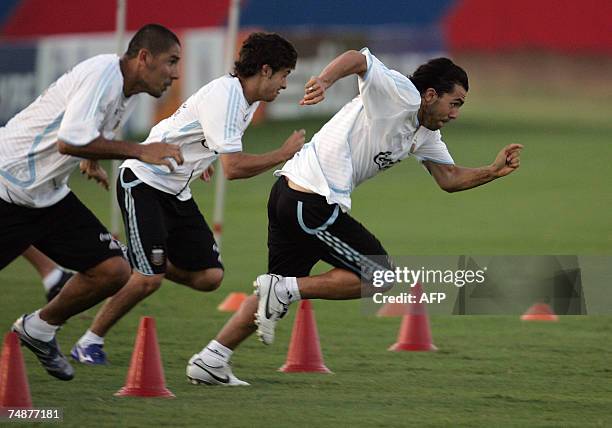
pixel 208 280
pixel 150 284
pixel 113 273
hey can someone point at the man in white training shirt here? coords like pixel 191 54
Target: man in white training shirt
pixel 393 117
pixel 75 118
pixel 166 233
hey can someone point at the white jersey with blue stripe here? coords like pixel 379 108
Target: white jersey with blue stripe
pixel 84 103
pixel 211 122
pixel 371 133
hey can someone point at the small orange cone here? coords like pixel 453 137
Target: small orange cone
pixel 540 312
pixel 232 302
pixel 393 310
pixel 415 333
pixel 145 376
pixel 14 388
pixel 304 353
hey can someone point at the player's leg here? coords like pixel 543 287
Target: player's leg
pixel 43 264
pixel 146 234
pixel 193 255
pixel 208 279
pixel 53 276
pixel 157 224
pixel 88 350
pixel 337 284
pixel 74 237
pixel 211 364
pixel 333 235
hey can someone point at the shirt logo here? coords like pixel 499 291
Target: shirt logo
pixel 113 244
pixel 383 160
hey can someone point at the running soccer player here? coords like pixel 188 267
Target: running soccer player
pixel 166 233
pixel 393 117
pixel 77 117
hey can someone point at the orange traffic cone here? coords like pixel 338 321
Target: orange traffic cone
pixel 232 302
pixel 304 350
pixel 14 388
pixel 393 310
pixel 415 333
pixel 540 312
pixel 145 376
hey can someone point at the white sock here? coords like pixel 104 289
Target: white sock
pixel 288 291
pixel 90 338
pixel 52 278
pixel 38 328
pixel 214 351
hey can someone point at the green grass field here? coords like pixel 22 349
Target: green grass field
pixel 489 371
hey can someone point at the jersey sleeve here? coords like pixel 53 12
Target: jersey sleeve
pixel 221 115
pixel 433 149
pixel 87 106
pixel 386 93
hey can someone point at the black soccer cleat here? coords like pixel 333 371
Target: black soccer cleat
pixel 48 353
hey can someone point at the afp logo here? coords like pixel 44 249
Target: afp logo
pixel 384 161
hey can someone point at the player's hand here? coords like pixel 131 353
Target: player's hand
pixel 162 154
pixel 507 160
pixel 208 173
pixel 92 169
pixel 314 91
pixel 293 144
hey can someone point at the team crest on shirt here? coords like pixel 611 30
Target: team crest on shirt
pixel 384 160
pixel 158 256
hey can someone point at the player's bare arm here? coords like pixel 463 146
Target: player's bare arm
pixel 244 165
pixel 453 178
pixel 350 62
pixel 101 148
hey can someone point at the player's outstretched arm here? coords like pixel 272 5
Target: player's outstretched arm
pixel 244 165
pixel 101 148
pixel 350 62
pixel 453 178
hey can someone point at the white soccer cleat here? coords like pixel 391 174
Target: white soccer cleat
pixel 198 372
pixel 269 308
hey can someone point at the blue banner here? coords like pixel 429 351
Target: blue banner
pixel 17 78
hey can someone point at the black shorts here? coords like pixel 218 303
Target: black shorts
pixel 67 232
pixel 158 225
pixel 303 229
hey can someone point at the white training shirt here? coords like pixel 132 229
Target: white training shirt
pixel 373 132
pixel 211 122
pixel 84 103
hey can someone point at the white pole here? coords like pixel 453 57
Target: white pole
pixel 114 208
pixel 228 60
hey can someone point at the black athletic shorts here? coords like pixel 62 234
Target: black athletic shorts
pixel 304 228
pixel 158 225
pixel 67 232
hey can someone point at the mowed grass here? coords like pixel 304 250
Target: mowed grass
pixel 488 370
